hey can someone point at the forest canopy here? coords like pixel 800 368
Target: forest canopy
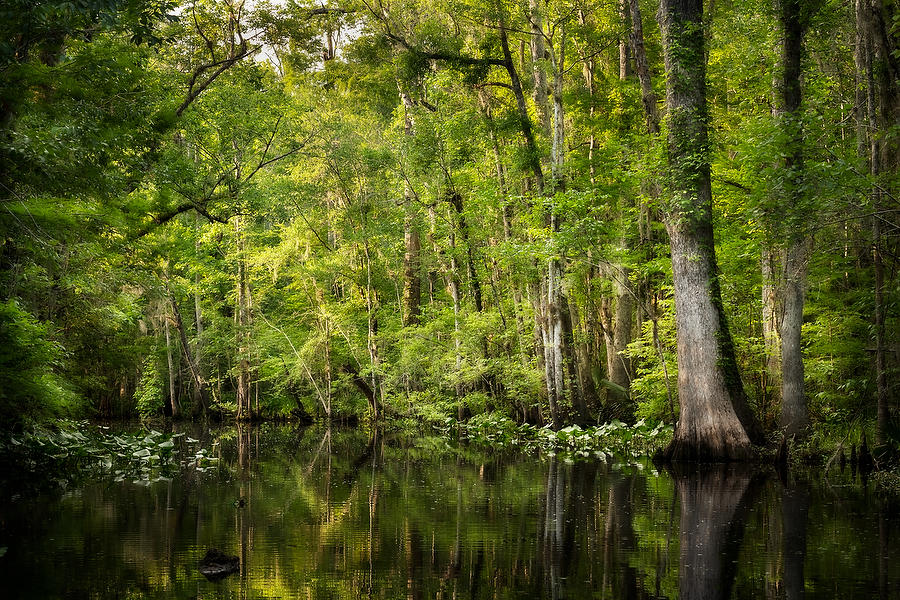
pixel 562 211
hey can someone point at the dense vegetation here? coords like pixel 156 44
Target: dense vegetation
pixel 420 210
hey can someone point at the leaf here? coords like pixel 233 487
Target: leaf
pixel 143 452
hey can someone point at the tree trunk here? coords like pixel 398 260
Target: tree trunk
pixel 881 388
pixel 242 323
pixel 199 382
pixel 462 226
pixel 642 68
pixel 771 383
pixel 173 401
pixel 558 355
pixel 624 47
pixel 412 290
pixel 709 387
pixel 587 69
pixel 457 334
pixel 794 418
pixel 586 397
pixel 883 109
pixel 532 157
pixel 553 339
pixel 371 338
pixel 620 325
pixel 558 147
pixel 539 72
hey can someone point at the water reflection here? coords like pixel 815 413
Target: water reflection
pixel 715 500
pixel 337 514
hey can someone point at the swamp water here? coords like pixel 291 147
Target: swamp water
pixel 321 515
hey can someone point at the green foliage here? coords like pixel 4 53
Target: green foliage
pixel 150 394
pixel 611 441
pixel 134 177
pixel 72 450
pixel 30 390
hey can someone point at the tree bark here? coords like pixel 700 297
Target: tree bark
pixel 619 322
pixel 642 68
pixel 709 387
pixel 794 417
pixel 242 323
pixel 412 289
pixel 624 46
pixel 883 109
pixel 771 384
pixel 455 294
pixel 587 393
pixel 553 341
pixel 587 69
pixel 539 72
pixel 462 225
pixel 558 147
pixel 532 157
pixel 371 338
pixel 199 382
pixel 173 401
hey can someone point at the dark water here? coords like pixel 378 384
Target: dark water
pixel 335 516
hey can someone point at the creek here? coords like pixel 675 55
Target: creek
pixel 321 514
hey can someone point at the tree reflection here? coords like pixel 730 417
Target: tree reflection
pixel 338 515
pixel 715 500
pixel 794 510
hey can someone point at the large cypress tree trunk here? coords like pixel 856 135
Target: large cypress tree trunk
pixel 709 387
pixel 624 47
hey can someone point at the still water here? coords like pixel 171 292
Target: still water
pixel 317 514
